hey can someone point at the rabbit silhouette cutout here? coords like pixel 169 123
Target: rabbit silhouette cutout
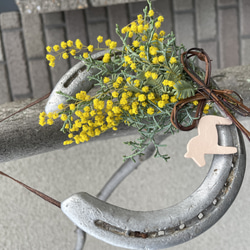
pixel 207 140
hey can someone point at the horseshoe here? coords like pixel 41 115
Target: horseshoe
pixel 160 228
pixel 72 82
pixel 173 225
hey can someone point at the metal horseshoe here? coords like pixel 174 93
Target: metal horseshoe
pixel 160 228
pixel 173 225
pixel 72 82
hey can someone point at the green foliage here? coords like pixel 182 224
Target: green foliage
pixel 138 84
pixel 184 89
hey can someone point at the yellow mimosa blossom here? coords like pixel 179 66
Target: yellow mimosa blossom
pixel 106 58
pixel 56 47
pixel 151 96
pixel 150 111
pixel 161 58
pixel 146 27
pixel 55 116
pixel 86 109
pixel 99 39
pixel 155 60
pixel 206 108
pixel 165 97
pixel 65 55
pixel 72 106
pixel 172 60
pixel 63 45
pixel 173 99
pixel 48 48
pixel 157 25
pixel 153 50
pixel 52 64
pixel 50 121
pixel 69 43
pixel 168 83
pixel 125 29
pixel 142 54
pixel 154 76
pixel 161 104
pixel 147 74
pixel 160 19
pixel 85 55
pixel 119 79
pixel 142 97
pixel 113 45
pixel 116 85
pixel 136 43
pixel 107 42
pixel 140 28
pixel 134 27
pixel 106 79
pixel 133 66
pixel 90 48
pixel 145 89
pixel 64 117
pixel 61 106
pixel 73 52
pixel 162 33
pixel 78 44
pixel 139 17
pixel 151 13
pixel 115 94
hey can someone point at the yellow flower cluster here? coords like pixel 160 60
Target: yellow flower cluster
pixel 86 122
pixel 145 83
pixel 65 49
pixel 206 108
pixel 50 118
pixel 141 25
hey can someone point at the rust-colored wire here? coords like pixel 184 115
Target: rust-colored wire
pixel 27 106
pixel 223 98
pixel 38 193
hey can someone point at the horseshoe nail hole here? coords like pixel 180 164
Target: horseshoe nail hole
pixel 215 201
pixel 235 157
pixel 200 216
pixel 69 81
pixel 233 165
pixel 66 84
pixel 226 184
pixel 153 235
pixel 161 233
pixel 182 226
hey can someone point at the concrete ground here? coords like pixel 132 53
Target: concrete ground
pixel 27 222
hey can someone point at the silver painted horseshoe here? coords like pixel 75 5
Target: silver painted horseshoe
pixel 72 82
pixel 75 80
pixel 161 228
pixel 173 225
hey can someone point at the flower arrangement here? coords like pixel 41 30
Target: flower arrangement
pixel 138 84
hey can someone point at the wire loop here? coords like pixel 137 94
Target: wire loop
pixel 223 98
